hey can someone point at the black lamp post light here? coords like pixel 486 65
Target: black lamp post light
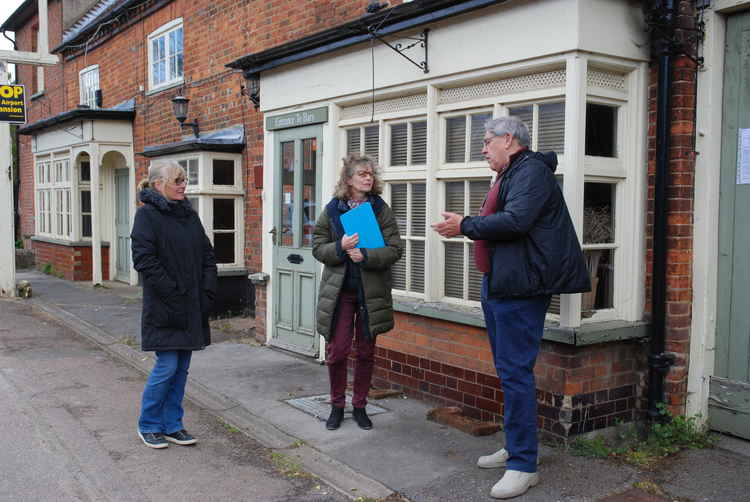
pixel 252 88
pixel 180 108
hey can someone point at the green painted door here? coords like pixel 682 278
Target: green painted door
pixel 296 207
pixel 729 400
pixel 122 224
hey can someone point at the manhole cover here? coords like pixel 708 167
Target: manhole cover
pixel 320 406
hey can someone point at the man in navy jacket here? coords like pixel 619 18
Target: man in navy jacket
pixel 527 248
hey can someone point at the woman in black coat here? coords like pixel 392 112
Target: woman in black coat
pixel 178 273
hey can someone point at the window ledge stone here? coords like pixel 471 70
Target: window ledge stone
pixel 232 272
pixel 157 90
pixel 588 334
pixel 60 242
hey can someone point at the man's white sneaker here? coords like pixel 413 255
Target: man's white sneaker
pixel 497 459
pixel 514 483
pixel 494 460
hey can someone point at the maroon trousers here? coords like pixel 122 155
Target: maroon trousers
pixel 337 353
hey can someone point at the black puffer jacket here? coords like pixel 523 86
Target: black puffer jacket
pixel 533 247
pixel 178 274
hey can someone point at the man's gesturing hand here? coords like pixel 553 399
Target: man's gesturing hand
pixel 450 226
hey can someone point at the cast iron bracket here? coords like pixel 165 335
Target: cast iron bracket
pixel 401 48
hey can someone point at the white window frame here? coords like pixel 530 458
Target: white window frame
pixel 163 32
pixel 467 163
pixel 468 258
pixel 408 238
pixel 362 128
pixel 574 167
pixel 205 191
pixel 88 84
pixel 611 170
pixel 387 146
pixel 52 186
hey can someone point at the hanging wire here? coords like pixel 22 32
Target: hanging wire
pixel 372 57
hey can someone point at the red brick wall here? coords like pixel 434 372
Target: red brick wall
pixel 69 262
pixel 51 102
pixel 579 389
pixel 680 196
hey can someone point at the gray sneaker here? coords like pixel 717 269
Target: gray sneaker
pixel 180 437
pixel 153 439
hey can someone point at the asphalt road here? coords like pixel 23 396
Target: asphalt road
pixel 68 432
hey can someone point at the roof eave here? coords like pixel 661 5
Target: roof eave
pixel 77 114
pixel 19 17
pixel 408 15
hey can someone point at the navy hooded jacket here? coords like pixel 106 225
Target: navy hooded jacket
pixel 532 244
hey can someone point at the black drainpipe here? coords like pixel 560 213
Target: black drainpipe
pixel 659 362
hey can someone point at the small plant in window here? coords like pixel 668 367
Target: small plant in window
pixel 597 229
pixel 597 225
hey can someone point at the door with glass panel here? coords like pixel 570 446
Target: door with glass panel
pixel 122 224
pixel 296 208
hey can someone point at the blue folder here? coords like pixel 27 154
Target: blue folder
pixel 361 220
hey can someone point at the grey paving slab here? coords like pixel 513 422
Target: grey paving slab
pixel 250 385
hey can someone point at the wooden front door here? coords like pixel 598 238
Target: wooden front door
pixel 296 208
pixel 122 224
pixel 729 400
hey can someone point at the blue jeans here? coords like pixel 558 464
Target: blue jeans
pixel 161 405
pixel 515 327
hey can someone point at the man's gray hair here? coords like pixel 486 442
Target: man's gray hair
pixel 509 125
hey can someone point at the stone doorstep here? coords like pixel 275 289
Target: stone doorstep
pixel 453 416
pixel 378 393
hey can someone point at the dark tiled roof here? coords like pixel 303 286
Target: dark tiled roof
pixel 123 111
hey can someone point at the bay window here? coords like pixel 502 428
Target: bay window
pixel 431 154
pixel 53 197
pixel 215 192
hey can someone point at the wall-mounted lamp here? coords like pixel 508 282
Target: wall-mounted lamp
pixel 375 5
pixel 180 107
pixel 252 89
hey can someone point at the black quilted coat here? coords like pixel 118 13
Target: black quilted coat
pixel 178 273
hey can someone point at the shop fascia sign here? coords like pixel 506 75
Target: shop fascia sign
pixel 297 119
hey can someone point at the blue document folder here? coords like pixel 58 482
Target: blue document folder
pixel 361 220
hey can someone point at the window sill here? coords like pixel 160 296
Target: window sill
pixel 231 271
pixel 588 334
pixel 60 242
pixel 161 88
pixel 37 95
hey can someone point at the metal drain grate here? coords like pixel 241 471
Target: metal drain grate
pixel 320 406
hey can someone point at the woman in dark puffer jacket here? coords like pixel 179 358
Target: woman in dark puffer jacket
pixel 178 273
pixel 356 285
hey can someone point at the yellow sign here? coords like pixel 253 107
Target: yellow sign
pixel 12 104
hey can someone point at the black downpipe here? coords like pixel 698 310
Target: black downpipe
pixel 659 362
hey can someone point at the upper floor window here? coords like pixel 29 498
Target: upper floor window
pixel 165 55
pixel 88 80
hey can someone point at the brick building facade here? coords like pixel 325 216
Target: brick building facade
pixel 590 374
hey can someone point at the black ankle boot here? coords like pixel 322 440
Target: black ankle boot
pixel 360 416
pixel 335 418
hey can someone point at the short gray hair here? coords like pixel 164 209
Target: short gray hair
pixel 509 125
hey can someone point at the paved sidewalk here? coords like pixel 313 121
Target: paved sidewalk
pixel 250 386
